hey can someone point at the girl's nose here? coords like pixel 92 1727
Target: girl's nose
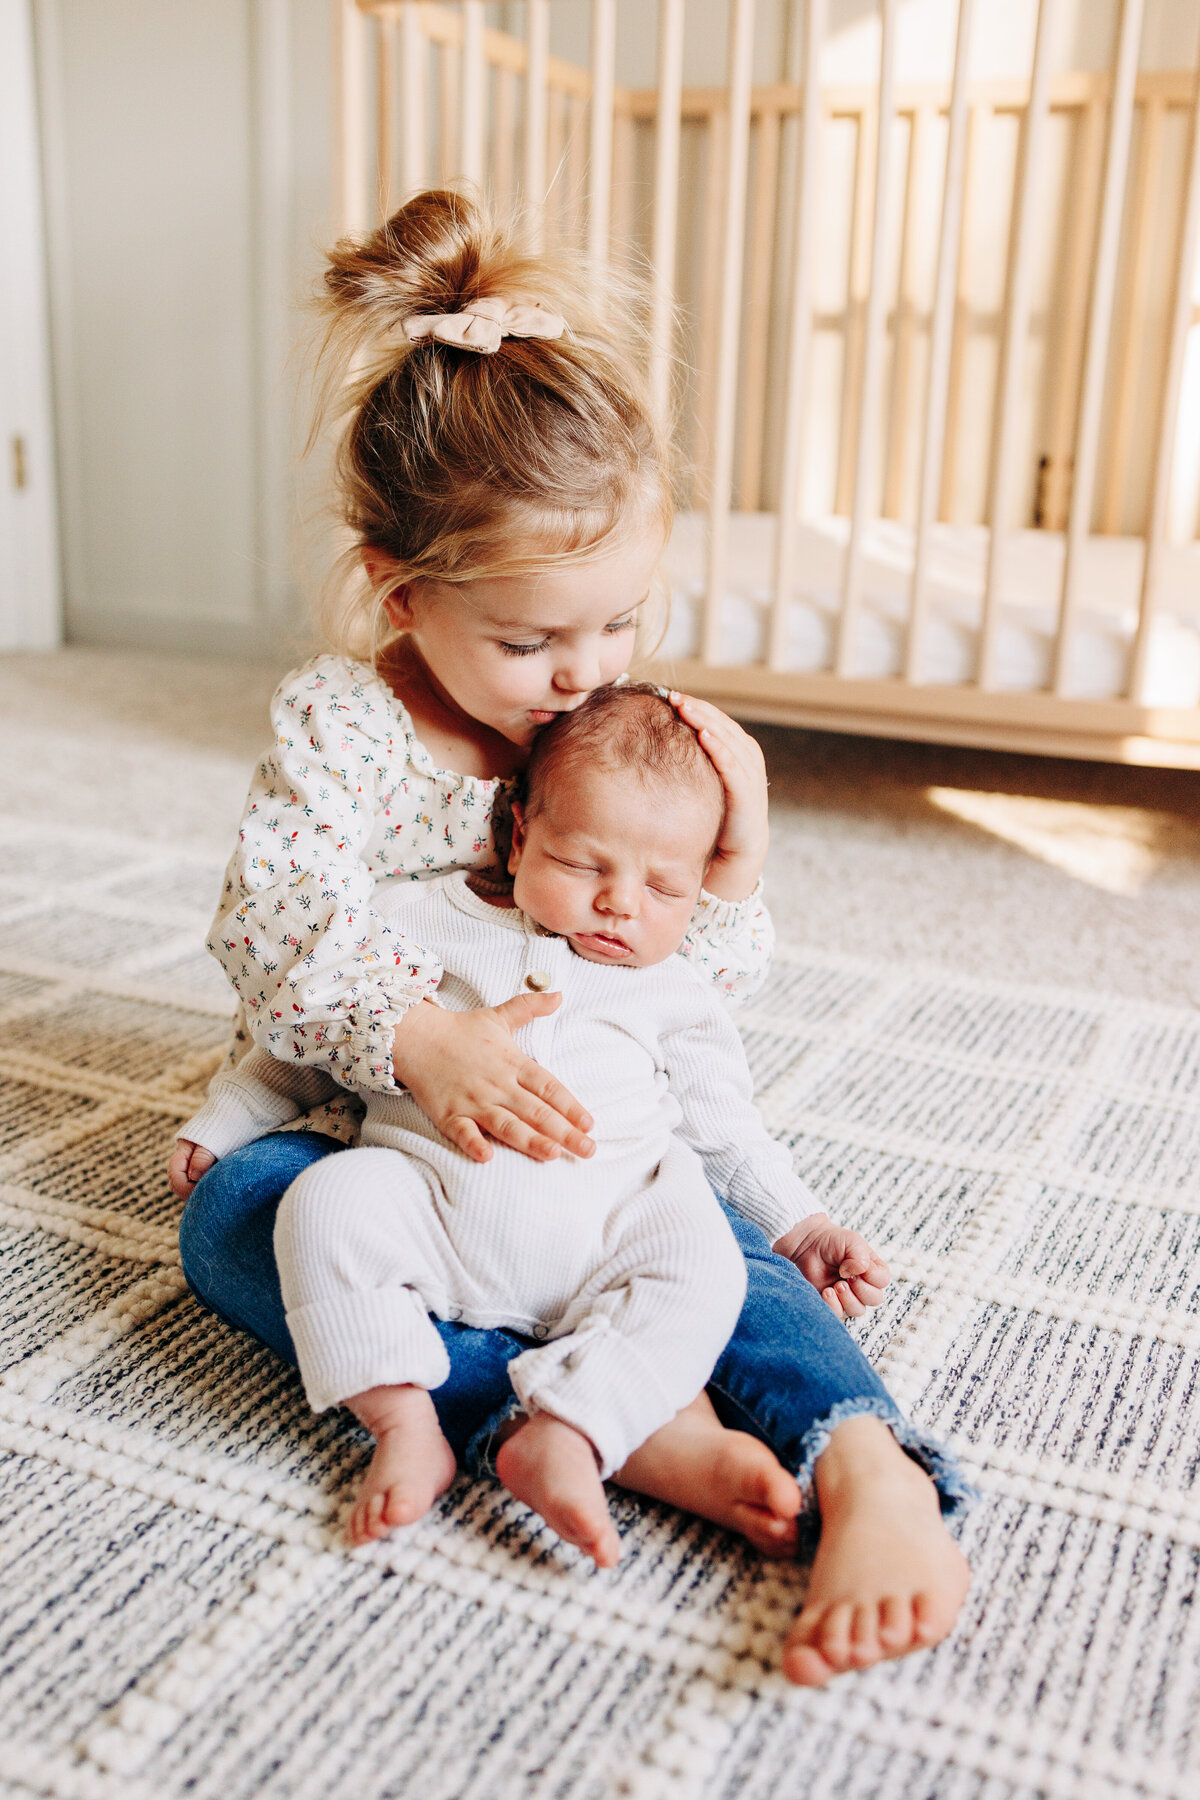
pixel 577 674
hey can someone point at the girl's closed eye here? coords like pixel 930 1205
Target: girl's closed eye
pixel 523 649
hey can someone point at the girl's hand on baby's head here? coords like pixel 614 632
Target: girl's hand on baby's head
pixel 471 1079
pixel 840 1264
pixel 188 1163
pixel 734 754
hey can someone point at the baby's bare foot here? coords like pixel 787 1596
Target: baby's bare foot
pixel 552 1468
pixel 888 1578
pixel 694 1463
pixel 411 1466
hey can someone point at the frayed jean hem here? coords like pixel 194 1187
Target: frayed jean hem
pixel 955 1492
pixel 479 1457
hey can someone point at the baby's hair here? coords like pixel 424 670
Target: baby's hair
pixel 460 465
pixel 626 727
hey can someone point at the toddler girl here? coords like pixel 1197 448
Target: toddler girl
pixel 509 495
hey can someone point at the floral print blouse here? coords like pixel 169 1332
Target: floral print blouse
pixel 349 797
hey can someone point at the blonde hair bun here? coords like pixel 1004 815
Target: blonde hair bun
pixel 458 465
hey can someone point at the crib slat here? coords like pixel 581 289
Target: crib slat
pixel 741 59
pixel 916 183
pixel 414 60
pixel 537 38
pixel 799 338
pixel 1087 170
pixel 1148 176
pixel 504 135
pixel 941 336
pixel 350 135
pixel 1029 185
pixel 600 146
pixel 385 110
pixel 857 289
pixel 1168 424
pixel 473 90
pixel 757 326
pixel 1104 277
pixel 449 129
pixel 873 352
pixel 961 329
pixel 666 199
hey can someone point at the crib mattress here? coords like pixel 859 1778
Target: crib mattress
pixel 1101 644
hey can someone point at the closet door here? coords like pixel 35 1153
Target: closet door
pixel 29 567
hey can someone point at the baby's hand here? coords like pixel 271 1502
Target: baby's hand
pixel 186 1167
pixel 742 849
pixel 840 1264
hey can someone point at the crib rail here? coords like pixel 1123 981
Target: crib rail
pixel 958 305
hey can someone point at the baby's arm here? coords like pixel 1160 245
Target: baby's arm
pixel 710 1079
pixel 244 1103
pixel 730 937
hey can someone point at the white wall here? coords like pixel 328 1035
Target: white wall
pixel 187 172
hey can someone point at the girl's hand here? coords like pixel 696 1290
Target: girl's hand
pixel 467 1075
pixel 188 1163
pixel 736 757
pixel 840 1264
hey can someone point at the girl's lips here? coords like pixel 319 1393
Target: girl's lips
pixel 541 716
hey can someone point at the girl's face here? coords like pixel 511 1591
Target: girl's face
pixel 513 651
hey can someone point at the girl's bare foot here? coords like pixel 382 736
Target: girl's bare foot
pixel 888 1578
pixel 726 1476
pixel 552 1468
pixel 411 1466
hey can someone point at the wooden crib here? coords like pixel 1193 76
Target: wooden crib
pixel 940 343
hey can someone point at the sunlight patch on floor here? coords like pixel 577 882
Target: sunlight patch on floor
pixel 1115 848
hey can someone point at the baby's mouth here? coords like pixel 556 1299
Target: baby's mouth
pixel 604 942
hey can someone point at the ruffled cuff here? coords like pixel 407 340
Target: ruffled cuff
pixel 726 918
pixel 357 1047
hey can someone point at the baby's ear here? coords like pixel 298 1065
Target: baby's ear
pixel 517 838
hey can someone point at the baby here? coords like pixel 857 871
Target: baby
pixel 621 1270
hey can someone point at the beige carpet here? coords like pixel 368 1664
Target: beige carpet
pixel 979 1042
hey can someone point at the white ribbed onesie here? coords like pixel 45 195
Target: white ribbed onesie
pixel 622 1262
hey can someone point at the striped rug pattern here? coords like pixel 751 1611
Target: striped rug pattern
pixel 178 1619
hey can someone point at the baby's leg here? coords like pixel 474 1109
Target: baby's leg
pixel 641 1337
pixel 553 1468
pixel 411 1466
pixel 359 1246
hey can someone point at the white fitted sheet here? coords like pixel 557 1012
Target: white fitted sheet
pixel 1098 660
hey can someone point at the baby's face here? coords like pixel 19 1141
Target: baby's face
pixel 614 865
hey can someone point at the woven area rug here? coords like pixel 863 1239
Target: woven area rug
pixel 176 1617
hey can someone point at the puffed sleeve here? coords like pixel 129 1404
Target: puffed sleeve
pixel 730 942
pixel 322 978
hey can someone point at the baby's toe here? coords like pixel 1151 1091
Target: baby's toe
pixel 895 1624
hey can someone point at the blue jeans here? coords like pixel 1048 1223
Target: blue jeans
pixel 790 1373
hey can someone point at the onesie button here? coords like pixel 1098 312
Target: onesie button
pixel 541 1332
pixel 537 980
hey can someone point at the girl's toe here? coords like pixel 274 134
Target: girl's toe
pixel 833 1638
pixel 865 1648
pixel 895 1624
pixel 927 1624
pixel 806 1667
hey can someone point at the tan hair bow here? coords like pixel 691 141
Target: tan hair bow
pixel 483 324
